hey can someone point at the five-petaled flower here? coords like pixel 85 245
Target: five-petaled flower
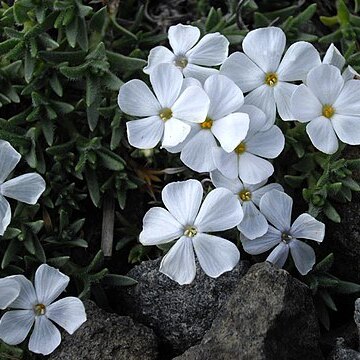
pixel 9 291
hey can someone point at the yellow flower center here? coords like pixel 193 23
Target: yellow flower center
pixel 165 114
pixel 271 79
pixel 328 111
pixel 40 309
pixel 245 195
pixel 181 62
pixel 207 124
pixel 190 231
pixel 240 149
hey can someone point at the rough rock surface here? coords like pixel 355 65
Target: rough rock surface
pixel 342 353
pixel 179 315
pixel 357 317
pixel 270 315
pixel 107 336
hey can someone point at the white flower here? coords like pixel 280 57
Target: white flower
pixel 211 50
pixel 223 123
pixel 248 159
pixel 9 291
pixel 165 113
pixel 331 106
pixel 187 220
pixel 277 207
pixel 25 188
pixel 254 223
pixel 262 71
pixel 36 305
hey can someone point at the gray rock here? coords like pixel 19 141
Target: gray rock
pixel 357 317
pixel 179 315
pixel 107 336
pixel 270 315
pixel 342 353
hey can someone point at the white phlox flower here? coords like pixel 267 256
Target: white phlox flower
pixel 223 124
pixel 189 54
pixel 36 306
pixel 254 223
pixel 188 221
pixel 331 106
pixel 262 71
pixel 248 160
pixel 167 113
pixel 9 291
pixel 26 188
pixel 277 208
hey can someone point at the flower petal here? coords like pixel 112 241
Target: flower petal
pixel 348 101
pixel 260 192
pixel 26 188
pixel 183 37
pixel 265 47
pixel 183 199
pixel 158 55
pixel 194 129
pixel 347 128
pixel 135 98
pixel 198 72
pixel 307 227
pixel 45 337
pixel 258 119
pixel 298 60
pixel 277 207
pixel 5 215
pixel 263 243
pixel 159 227
pixel 303 255
pixel 244 72
pixel 333 57
pixel 350 74
pixel 9 158
pixel 211 50
pixel 49 284
pixel 226 163
pixel 9 291
pixel 305 106
pixel 283 92
pixel 253 169
pixel 231 130
pixel 221 181
pixel 279 255
pixel 145 133
pixel 69 313
pixel 220 211
pixel 322 135
pixel 216 255
pixel 15 326
pixel 175 132
pixel 179 263
pixel 27 296
pixel 187 82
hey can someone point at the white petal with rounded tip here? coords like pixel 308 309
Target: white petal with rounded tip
pixel 350 74
pixel 49 284
pixel 265 47
pixel 26 188
pixel 268 144
pixel 15 326
pixel 219 211
pixel 216 255
pixel 226 163
pixel 258 119
pixel 27 296
pixel 277 207
pixel 158 55
pixel 187 82
pixel 225 97
pixel 303 255
pixel 183 37
pixel 200 73
pixel 243 71
pixel 298 60
pixel 135 98
pixel 192 105
pixel 159 227
pixel 307 227
pixel 262 243
pixel 211 50
pixel 347 128
pixel 195 128
pixel 322 135
pixel 348 101
pixel 197 153
pixel 283 92
pixel 5 215
pixel 183 199
pixel 69 313
pixel 231 130
pixel 179 263
pixel 219 180
pixel 45 338
pixel 254 223
pixel 279 255
pixel 326 82
pixel 9 291
pixel 253 169
pixel 145 133
pixel 260 192
pixel 305 106
pixel 166 81
pixel 175 132
pixel 254 187
pixel 9 158
pixel 333 57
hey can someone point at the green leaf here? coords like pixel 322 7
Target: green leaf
pixel 325 264
pixel 10 253
pixel 118 280
pixel 122 63
pixel 93 186
pixel 346 287
pixel 110 160
pixel 82 36
pixel 29 64
pixel 72 32
pixel 351 184
pixel 331 213
pixel 327 299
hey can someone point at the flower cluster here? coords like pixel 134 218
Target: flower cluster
pixel 219 113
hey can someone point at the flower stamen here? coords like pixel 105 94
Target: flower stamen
pixel 271 79
pixel 165 114
pixel 207 124
pixel 328 111
pixel 39 309
pixel 240 149
pixel 181 61
pixel 286 237
pixel 190 231
pixel 245 195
